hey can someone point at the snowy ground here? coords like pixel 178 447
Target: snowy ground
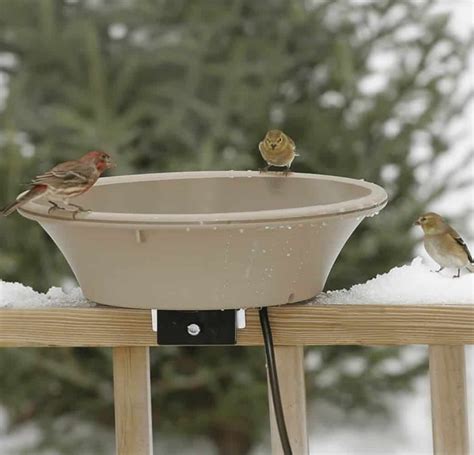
pixel 408 434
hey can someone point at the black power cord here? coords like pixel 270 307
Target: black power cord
pixel 273 376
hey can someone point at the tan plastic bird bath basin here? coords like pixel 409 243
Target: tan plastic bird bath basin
pixel 208 240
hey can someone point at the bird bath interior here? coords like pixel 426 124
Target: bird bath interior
pixel 208 240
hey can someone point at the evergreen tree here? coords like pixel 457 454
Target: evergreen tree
pixel 169 85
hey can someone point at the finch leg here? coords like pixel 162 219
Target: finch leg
pixel 53 207
pixel 458 274
pixel 439 270
pixel 79 208
pixel 286 171
pixel 264 169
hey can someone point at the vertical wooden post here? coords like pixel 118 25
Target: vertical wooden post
pixel 290 367
pixel 448 400
pixel 133 429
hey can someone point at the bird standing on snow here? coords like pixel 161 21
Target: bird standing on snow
pixel 277 149
pixel 444 244
pixel 65 181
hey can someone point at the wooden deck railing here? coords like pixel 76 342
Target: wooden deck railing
pixel 444 328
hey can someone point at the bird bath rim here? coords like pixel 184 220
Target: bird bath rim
pixel 374 201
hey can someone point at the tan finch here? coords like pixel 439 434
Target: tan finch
pixel 65 181
pixel 444 244
pixel 277 149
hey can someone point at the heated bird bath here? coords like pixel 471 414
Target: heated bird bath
pixel 208 240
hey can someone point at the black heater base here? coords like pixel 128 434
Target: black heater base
pixel 193 328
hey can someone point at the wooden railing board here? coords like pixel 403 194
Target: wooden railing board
pixel 291 325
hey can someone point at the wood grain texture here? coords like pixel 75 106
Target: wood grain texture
pixel 290 368
pixel 132 401
pixel 448 400
pixel 291 325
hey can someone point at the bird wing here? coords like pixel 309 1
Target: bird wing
pixel 461 242
pixel 69 172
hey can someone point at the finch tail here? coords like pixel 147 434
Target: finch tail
pixel 34 193
pixel 470 267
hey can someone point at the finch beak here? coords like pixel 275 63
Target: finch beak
pixel 417 223
pixel 110 164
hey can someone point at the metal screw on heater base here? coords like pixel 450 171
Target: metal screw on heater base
pixel 194 329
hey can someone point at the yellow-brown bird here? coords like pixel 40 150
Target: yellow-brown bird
pixel 277 149
pixel 444 244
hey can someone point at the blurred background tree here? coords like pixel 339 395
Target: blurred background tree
pixel 366 89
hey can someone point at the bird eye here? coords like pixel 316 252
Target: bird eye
pixel 279 139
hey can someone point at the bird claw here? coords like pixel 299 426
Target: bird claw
pixel 79 210
pixel 54 207
pixel 286 171
pixel 262 170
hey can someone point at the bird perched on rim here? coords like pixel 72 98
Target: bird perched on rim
pixel 65 181
pixel 277 149
pixel 444 244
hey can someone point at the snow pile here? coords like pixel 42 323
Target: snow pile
pixel 16 295
pixel 410 284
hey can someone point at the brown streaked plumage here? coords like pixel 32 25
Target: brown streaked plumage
pixel 65 181
pixel 444 244
pixel 277 149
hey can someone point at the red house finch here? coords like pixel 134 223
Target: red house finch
pixel 65 181
pixel 444 244
pixel 277 149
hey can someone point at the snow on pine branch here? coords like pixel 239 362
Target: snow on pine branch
pixel 408 284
